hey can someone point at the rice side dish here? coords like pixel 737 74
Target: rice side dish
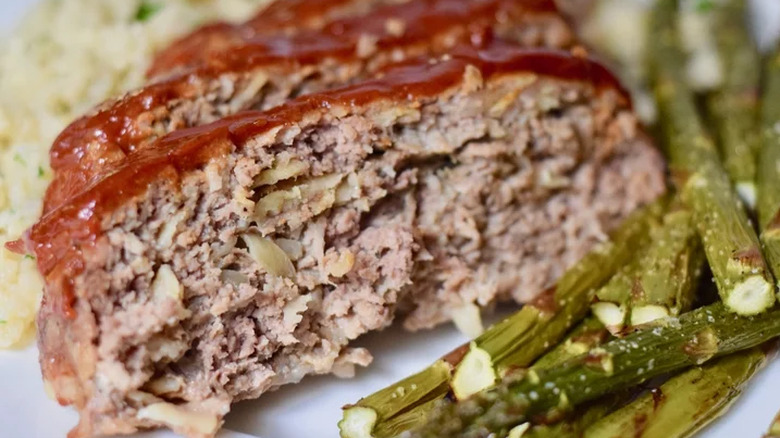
pixel 63 58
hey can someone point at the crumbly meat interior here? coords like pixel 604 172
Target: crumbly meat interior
pixel 260 268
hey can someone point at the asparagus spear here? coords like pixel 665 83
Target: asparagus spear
pixel 660 281
pixel 514 342
pixel 769 169
pixel 579 422
pixel 731 245
pixel 733 108
pixel 685 403
pixel 673 344
pixel 589 334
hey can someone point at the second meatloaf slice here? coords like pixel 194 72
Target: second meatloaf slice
pixel 265 71
pixel 236 257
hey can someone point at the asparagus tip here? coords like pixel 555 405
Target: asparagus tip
pixel 751 296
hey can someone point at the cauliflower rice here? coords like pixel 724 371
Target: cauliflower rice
pixel 65 57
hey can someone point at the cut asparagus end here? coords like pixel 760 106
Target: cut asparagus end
pixel 645 314
pixel 610 314
pixel 519 431
pixel 358 422
pixel 751 296
pixel 474 373
pixel 747 192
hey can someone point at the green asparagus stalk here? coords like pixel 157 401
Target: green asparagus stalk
pixel 730 243
pixel 693 339
pixel 734 107
pixel 514 342
pixel 769 169
pixel 685 403
pixel 589 334
pixel 660 281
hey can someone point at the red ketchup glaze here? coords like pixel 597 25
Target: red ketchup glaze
pixel 281 17
pixel 106 137
pixel 189 50
pixel 60 235
pixel 100 141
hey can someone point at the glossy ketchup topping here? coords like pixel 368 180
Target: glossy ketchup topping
pixel 59 237
pixel 95 144
pixel 280 17
pixel 285 16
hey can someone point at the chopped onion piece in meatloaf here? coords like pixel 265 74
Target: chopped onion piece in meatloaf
pixel 448 183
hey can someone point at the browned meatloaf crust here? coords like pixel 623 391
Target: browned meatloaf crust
pixel 265 71
pixel 232 258
pixel 288 17
pixel 279 17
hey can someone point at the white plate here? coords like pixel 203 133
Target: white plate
pixel 312 408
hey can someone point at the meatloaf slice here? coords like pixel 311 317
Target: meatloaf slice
pixel 236 257
pixel 266 71
pixel 279 17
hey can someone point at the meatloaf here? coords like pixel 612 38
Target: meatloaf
pixel 265 71
pixel 279 17
pixel 288 17
pixel 242 255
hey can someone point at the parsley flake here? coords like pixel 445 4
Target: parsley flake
pixel 147 10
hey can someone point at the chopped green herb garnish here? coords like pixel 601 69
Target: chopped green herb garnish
pixel 146 10
pixel 2 321
pixel 41 172
pixel 29 257
pixel 18 158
